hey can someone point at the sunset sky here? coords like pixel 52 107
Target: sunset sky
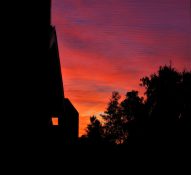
pixel 108 45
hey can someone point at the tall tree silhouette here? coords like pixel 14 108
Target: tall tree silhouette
pixel 133 112
pixel 163 118
pixel 113 123
pixel 185 115
pixel 95 131
pixel 165 101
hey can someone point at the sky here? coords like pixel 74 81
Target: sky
pixel 108 45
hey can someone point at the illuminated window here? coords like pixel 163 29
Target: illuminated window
pixel 55 121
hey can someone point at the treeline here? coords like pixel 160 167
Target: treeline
pixel 163 117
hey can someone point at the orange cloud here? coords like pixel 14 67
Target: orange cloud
pixel 109 45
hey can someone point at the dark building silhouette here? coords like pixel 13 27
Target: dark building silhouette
pixel 61 108
pixel 32 82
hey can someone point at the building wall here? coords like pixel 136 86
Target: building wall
pixel 28 74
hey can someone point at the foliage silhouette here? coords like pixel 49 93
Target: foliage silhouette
pixel 133 111
pixel 113 122
pixel 94 132
pixel 165 92
pixel 163 118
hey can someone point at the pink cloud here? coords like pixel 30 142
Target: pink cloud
pixel 109 45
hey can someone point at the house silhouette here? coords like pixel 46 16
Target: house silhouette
pixel 33 93
pixel 61 109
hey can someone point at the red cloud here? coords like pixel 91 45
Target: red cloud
pixel 109 45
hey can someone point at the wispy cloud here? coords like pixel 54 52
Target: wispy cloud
pixel 110 44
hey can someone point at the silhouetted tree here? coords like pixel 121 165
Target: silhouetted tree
pixel 185 115
pixel 113 123
pixel 166 101
pixel 94 132
pixel 186 95
pixel 163 118
pixel 133 113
